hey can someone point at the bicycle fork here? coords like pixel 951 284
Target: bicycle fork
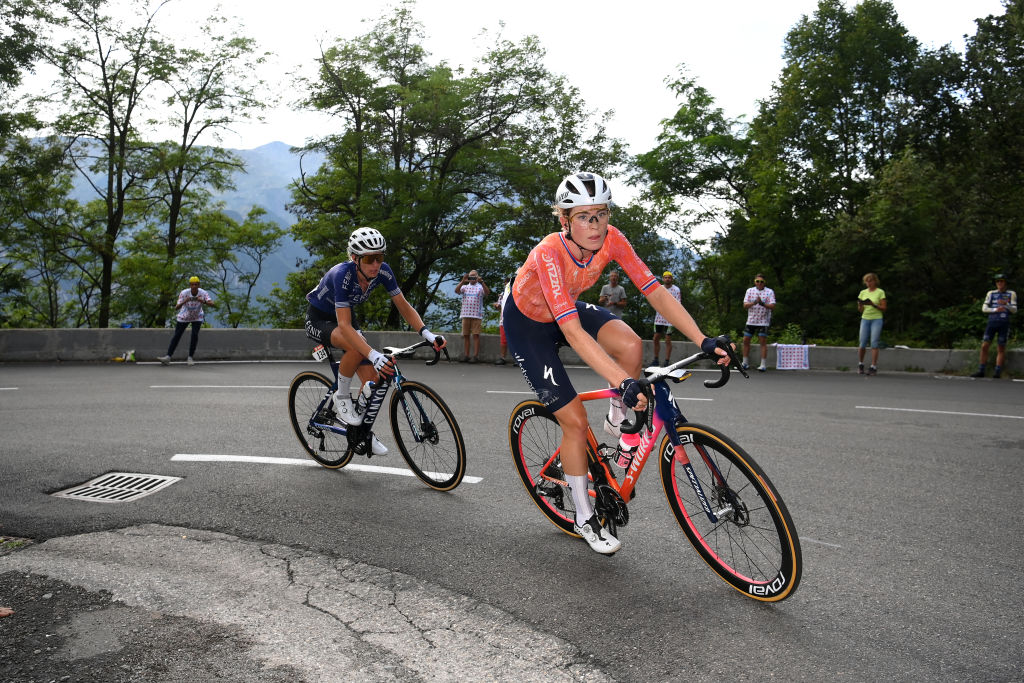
pixel 730 505
pixel 422 429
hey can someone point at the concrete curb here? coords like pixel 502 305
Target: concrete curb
pixel 327 618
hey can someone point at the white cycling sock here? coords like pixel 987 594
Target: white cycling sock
pixel 578 486
pixel 616 410
pixel 344 386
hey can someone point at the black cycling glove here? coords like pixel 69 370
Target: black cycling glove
pixel 709 345
pixel 630 390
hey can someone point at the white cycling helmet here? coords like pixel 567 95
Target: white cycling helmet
pixel 366 241
pixel 582 189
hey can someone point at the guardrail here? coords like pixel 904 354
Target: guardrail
pixel 91 345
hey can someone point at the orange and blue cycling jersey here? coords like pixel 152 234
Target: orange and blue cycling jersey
pixel 549 282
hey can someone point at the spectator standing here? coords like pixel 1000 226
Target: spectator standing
pixel 662 327
pixel 999 303
pixel 190 312
pixel 871 304
pixel 613 295
pixel 759 302
pixel 472 290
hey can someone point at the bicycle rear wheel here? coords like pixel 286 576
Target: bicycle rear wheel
pixel 327 447
pixel 438 458
pixel 534 438
pixel 752 543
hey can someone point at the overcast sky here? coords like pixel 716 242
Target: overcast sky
pixel 617 53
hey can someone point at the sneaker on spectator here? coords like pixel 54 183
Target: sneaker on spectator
pixel 166 360
pixel 860 368
pixel 599 539
pixel 190 361
pixel 872 370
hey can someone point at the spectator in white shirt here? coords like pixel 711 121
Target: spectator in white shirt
pixel 472 290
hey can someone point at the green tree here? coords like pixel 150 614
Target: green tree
pixel 37 222
pixel 993 168
pixel 19 50
pixel 239 258
pixel 455 166
pixel 209 89
pixel 696 176
pixel 105 72
pixel 839 113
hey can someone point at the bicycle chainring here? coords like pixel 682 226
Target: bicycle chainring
pixel 610 505
pixel 358 440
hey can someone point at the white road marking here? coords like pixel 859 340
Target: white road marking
pixel 213 457
pixel 8 388
pixel 216 386
pixel 526 393
pixel 222 362
pixel 804 539
pixel 942 412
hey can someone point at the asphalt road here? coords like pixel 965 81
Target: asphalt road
pixel 905 490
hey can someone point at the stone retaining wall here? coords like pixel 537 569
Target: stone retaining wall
pixel 50 345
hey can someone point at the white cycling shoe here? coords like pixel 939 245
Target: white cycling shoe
pixel 598 538
pixel 376 447
pixel 346 410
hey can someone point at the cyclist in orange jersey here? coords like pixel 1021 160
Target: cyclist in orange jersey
pixel 542 313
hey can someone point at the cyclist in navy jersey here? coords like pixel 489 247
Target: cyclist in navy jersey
pixel 329 318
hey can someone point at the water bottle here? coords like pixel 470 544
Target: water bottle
pixel 364 397
pixel 628 444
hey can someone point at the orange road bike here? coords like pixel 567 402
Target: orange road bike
pixel 725 504
pixel 424 428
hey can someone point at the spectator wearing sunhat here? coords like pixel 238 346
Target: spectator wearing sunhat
pixel 999 303
pixel 190 312
pixel 663 327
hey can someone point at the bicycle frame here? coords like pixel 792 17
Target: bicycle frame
pixel 361 432
pixel 666 415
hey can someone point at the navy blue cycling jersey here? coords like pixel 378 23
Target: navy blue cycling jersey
pixel 339 287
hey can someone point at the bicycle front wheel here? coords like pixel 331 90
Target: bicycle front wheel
pixel 737 521
pixel 324 445
pixel 428 436
pixel 534 438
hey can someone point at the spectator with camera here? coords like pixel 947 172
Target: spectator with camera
pixel 190 312
pixel 472 290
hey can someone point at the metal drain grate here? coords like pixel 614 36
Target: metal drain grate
pixel 118 487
